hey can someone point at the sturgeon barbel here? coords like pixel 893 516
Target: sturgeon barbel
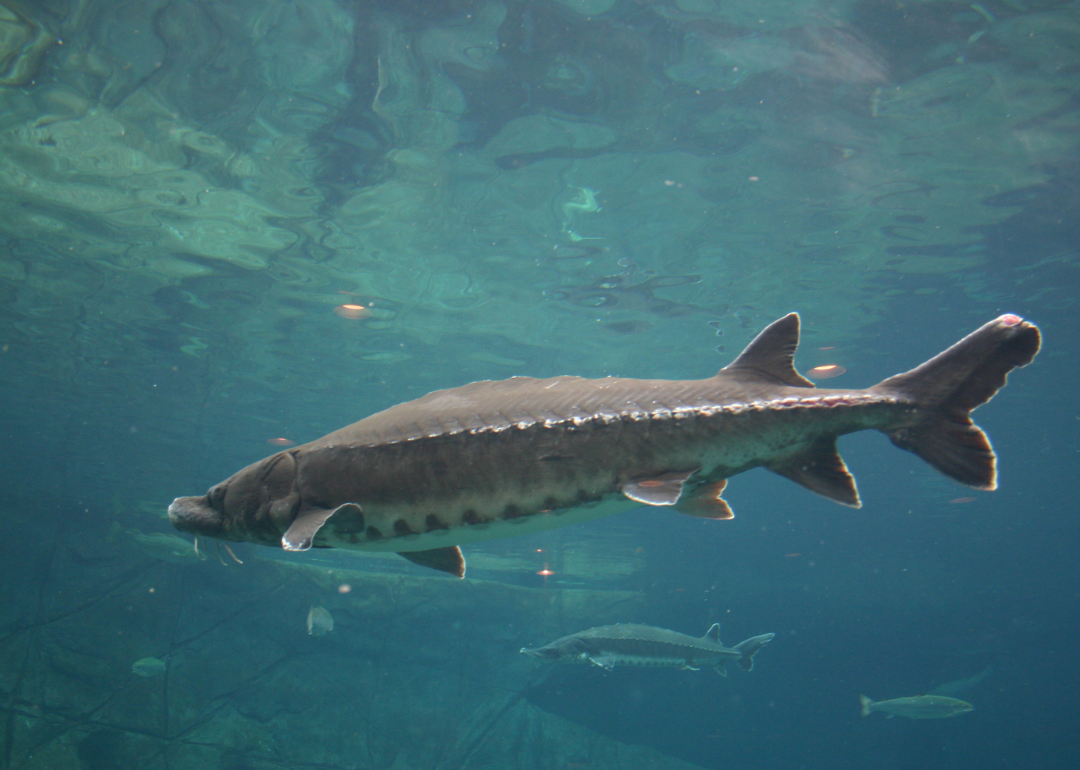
pixel 499 458
pixel 631 644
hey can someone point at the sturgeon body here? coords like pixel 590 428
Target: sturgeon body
pixel 630 644
pixel 499 458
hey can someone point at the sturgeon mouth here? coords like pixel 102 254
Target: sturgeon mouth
pixel 536 653
pixel 192 514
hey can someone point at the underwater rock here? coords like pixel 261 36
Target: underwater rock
pixel 834 54
pixel 588 7
pixel 541 133
pixel 100 750
pixel 22 44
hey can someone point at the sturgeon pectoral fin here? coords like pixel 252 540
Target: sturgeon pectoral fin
pixel 447 559
pixel 660 490
pixel 706 503
pixel 820 469
pixel 605 662
pixel 301 533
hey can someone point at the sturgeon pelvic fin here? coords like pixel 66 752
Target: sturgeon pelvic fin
pixel 770 357
pixel 948 387
pixel 447 559
pixel 662 490
pixel 820 469
pixel 667 489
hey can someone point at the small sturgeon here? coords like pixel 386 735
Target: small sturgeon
pixel 499 458
pixel 917 707
pixel 629 644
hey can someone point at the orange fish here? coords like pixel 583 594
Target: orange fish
pixel 825 371
pixel 352 312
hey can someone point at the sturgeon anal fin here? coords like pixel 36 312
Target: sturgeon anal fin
pixel 771 356
pixel 706 503
pixel 721 668
pixel 664 489
pixel 605 662
pixel 820 469
pixel 447 559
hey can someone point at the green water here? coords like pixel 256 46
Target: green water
pixel 191 191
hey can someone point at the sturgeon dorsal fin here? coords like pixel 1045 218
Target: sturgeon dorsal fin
pixel 713 634
pixel 819 468
pixel 771 356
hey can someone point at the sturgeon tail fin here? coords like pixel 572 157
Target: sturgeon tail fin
pixel 749 648
pixel 864 704
pixel 949 386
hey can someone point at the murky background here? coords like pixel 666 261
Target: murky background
pixel 230 225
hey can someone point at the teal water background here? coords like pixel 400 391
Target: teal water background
pixel 190 190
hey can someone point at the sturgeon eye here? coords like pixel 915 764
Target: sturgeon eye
pixel 216 496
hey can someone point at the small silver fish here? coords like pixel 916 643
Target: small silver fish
pixel 149 667
pixel 319 621
pixel 917 707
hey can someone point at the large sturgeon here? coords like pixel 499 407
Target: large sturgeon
pixel 499 458
pixel 630 644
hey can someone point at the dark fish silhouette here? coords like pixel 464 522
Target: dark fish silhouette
pixel 629 644
pixel 499 458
